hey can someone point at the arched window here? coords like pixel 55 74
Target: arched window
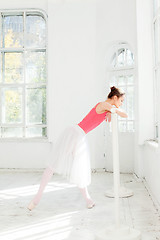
pixel 23 78
pixel 121 74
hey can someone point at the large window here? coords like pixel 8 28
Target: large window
pixel 122 75
pixel 156 30
pixel 23 78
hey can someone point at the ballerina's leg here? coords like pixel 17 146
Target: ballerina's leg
pixel 88 199
pixel 47 175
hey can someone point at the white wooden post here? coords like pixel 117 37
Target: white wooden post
pixel 117 231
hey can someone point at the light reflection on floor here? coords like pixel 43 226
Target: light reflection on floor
pixel 31 190
pixel 57 226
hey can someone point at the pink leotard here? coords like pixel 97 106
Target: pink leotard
pixel 92 120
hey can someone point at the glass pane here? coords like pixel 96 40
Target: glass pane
pixel 35 67
pixel 0 68
pixel 130 126
pixel 11 105
pixel 35 31
pixel 130 103
pixel 13 67
pixel 155 6
pixel 121 80
pixel 113 61
pixel 13 31
pixel 130 80
pixel 12 132
pixel 113 81
pixel 122 126
pixel 124 105
pixel 156 99
pixel 121 57
pixel 129 57
pixel 36 106
pixel 36 132
pixel 156 131
pixel 156 41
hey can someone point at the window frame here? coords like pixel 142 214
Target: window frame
pixel 156 61
pixel 23 49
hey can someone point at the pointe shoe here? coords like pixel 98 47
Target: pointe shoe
pixel 90 204
pixel 31 206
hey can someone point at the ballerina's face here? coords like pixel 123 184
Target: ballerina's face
pixel 118 101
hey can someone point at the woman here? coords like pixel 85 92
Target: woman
pixel 71 154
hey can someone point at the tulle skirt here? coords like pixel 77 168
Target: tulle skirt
pixel 71 157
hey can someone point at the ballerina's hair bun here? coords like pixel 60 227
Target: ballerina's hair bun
pixel 116 92
pixel 113 88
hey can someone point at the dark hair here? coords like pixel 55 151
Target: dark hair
pixel 116 92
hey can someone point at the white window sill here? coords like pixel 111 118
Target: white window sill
pixel 152 143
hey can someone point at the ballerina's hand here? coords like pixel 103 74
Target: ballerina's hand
pixel 108 117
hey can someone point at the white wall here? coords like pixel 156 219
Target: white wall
pixel 80 34
pixel 145 109
pixel 147 164
pixel 151 157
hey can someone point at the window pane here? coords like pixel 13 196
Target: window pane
pixel 12 132
pixel 122 126
pixel 35 31
pixel 130 126
pixel 121 57
pixel 156 130
pixel 130 103
pixel 13 31
pixel 155 5
pixel 36 132
pixel 156 99
pixel 130 80
pixel 124 107
pixel 129 57
pixel 0 68
pixel 113 81
pixel 35 67
pixel 11 105
pixel 156 49
pixel 121 81
pixel 36 106
pixel 113 61
pixel 13 67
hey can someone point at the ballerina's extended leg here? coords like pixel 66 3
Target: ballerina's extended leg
pixel 48 172
pixel 89 201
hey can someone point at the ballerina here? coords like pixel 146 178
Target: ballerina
pixel 71 155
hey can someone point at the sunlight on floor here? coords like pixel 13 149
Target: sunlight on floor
pixel 31 190
pixel 57 226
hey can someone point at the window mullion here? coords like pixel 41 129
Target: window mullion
pixel 3 49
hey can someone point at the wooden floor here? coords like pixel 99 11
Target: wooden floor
pixel 62 213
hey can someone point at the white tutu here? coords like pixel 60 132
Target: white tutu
pixel 71 157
